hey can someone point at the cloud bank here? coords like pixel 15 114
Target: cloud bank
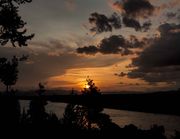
pixel 115 44
pixel 160 62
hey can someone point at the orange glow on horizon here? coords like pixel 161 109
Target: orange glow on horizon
pixel 103 77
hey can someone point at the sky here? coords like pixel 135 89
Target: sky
pixel 123 45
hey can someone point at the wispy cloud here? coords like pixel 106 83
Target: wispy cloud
pixel 70 5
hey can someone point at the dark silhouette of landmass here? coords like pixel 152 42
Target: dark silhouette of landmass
pixel 166 102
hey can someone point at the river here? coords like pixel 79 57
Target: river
pixel 122 117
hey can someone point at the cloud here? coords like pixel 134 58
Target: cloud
pixel 167 8
pixel 171 15
pixel 90 50
pixel 133 23
pixel 130 22
pixel 70 5
pixel 134 8
pixel 52 47
pixel 101 23
pixel 160 62
pixel 41 65
pixel 131 10
pixel 115 44
pixel 122 74
pixel 169 5
pixel 117 6
pixel 146 26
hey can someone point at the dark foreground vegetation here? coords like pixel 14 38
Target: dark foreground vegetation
pixel 78 120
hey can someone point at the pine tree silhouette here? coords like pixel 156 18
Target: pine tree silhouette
pixel 8 72
pixel 87 117
pixel 11 25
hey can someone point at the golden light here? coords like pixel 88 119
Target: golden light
pixel 87 86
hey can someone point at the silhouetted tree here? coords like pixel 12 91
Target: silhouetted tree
pixel 91 112
pixel 177 135
pixel 8 72
pixel 92 89
pixel 90 116
pixel 11 31
pixel 70 116
pixel 42 89
pixel 9 107
pixel 11 25
pixel 9 111
pixel 37 110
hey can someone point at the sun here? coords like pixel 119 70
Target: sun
pixel 87 86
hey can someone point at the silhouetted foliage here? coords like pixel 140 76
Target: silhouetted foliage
pixel 79 121
pixel 177 135
pixel 11 25
pixel 87 117
pixel 92 89
pixel 8 72
pixel 42 89
pixel 37 110
pixel 11 30
pixel 9 111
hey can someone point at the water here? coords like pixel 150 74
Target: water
pixel 122 117
pixel 145 120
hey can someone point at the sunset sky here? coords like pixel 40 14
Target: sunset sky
pixel 123 45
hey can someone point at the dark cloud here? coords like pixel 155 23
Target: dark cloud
pixel 115 21
pixel 132 23
pixel 90 50
pixel 135 8
pixel 160 62
pixel 136 43
pixel 102 23
pixel 146 26
pixel 122 74
pixel 171 15
pixel 112 45
pixel 129 84
pixel 115 44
